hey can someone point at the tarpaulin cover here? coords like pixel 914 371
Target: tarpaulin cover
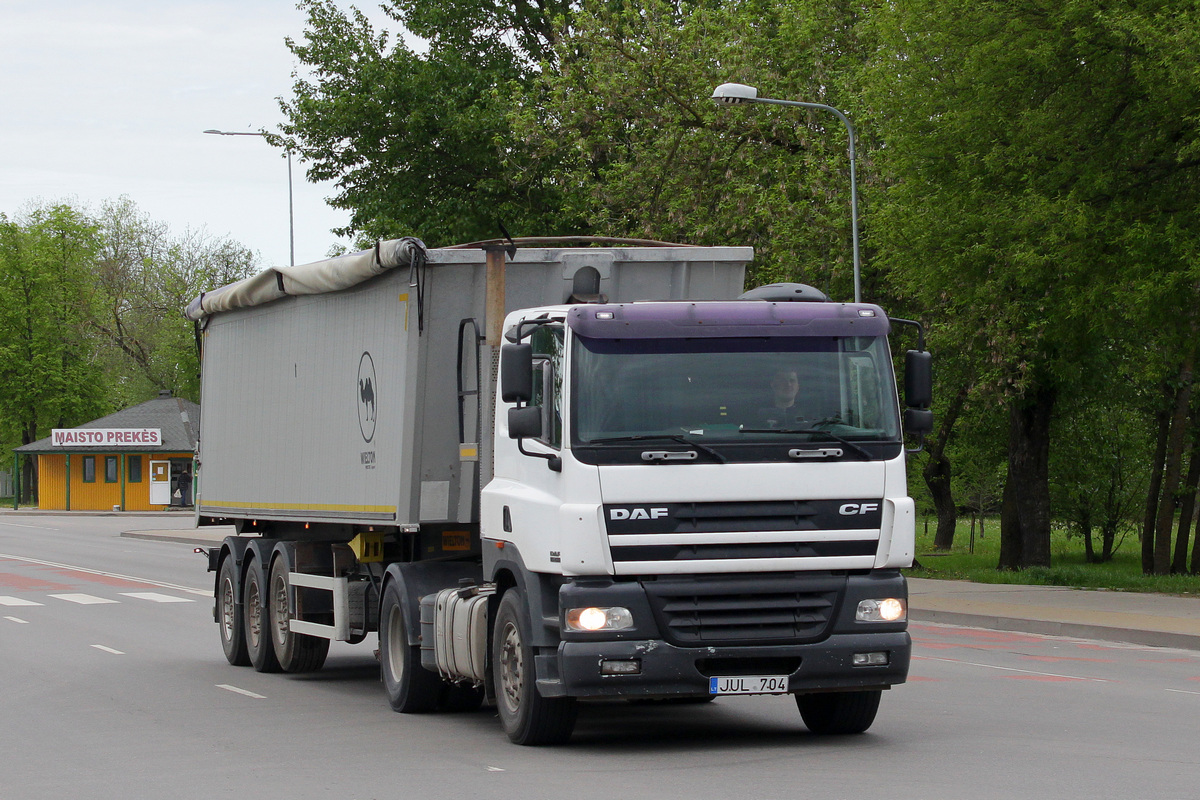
pixel 330 275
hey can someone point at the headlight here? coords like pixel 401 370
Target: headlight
pixel 599 619
pixel 890 609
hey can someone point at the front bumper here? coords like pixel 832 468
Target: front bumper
pixel 729 626
pixel 668 670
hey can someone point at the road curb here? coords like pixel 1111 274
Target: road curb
pixel 158 536
pixel 1075 630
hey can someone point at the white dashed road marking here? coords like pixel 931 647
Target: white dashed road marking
pixel 155 597
pixel 83 599
pixel 18 620
pixel 7 600
pixel 108 650
pixel 236 690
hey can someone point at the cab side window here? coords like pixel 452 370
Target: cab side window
pixel 547 344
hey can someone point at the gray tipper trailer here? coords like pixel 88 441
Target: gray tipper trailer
pixel 557 473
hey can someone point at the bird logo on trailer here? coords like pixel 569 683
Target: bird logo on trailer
pixel 366 397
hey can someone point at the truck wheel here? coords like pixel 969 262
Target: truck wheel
pixel 839 712
pixel 254 608
pixel 229 621
pixel 411 689
pixel 528 718
pixel 296 652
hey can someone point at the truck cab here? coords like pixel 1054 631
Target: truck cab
pixel 706 498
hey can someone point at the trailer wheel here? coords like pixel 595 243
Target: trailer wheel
pixel 229 621
pixel 528 718
pixel 839 713
pixel 296 652
pixel 257 625
pixel 411 689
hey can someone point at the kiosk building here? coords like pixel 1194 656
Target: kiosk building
pixel 138 459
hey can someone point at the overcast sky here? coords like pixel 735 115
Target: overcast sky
pixel 103 98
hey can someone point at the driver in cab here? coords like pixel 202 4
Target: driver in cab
pixel 783 411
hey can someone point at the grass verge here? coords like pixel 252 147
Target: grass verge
pixel 1068 567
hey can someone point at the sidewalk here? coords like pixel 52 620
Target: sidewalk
pixel 1147 619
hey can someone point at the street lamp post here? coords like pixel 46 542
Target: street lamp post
pixel 291 211
pixel 735 93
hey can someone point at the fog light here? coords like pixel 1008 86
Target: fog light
pixel 599 619
pixel 870 659
pixel 632 666
pixel 890 609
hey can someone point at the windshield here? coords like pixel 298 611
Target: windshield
pixel 737 390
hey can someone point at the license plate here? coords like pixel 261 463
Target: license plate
pixel 749 684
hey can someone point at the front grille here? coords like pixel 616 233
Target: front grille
pixel 701 552
pixel 788 609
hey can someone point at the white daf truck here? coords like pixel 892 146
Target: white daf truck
pixel 560 472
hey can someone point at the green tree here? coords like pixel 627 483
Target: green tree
pixel 146 276
pixel 420 143
pixel 50 375
pixel 1033 152
pixel 628 124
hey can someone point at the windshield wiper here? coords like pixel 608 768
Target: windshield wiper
pixel 652 437
pixel 827 434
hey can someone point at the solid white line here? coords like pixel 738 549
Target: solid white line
pixel 235 689
pixel 1183 691
pixel 108 650
pixel 1010 669
pixel 18 620
pixel 8 600
pixel 34 527
pixel 83 599
pixel 155 597
pixel 147 581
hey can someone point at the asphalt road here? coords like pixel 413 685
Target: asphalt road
pixel 114 686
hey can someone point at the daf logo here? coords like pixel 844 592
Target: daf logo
pixel 637 513
pixel 850 509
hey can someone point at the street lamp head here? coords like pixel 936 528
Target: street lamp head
pixel 219 133
pixel 734 93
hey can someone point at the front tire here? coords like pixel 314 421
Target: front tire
pixel 256 622
pixel 839 713
pixel 229 618
pixel 295 652
pixel 411 689
pixel 528 718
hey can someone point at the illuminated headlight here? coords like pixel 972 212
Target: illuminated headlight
pixel 599 619
pixel 890 609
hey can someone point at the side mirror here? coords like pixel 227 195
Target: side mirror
pixel 525 422
pixel 918 421
pixel 516 373
pixel 918 379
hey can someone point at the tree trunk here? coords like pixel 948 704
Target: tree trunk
pixel 937 478
pixel 1195 565
pixel 1172 467
pixel 937 473
pixel 1163 417
pixel 1108 535
pixel 1085 529
pixel 1186 509
pixel 1025 510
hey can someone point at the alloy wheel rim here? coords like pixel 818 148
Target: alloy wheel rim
pixel 511 667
